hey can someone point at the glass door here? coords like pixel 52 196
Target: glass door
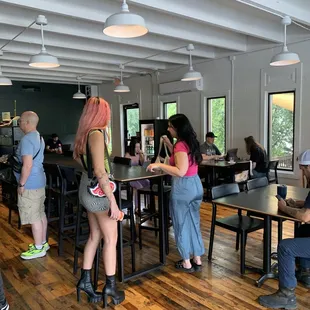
pixel 131 122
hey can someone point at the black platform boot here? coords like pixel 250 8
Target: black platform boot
pixel 85 284
pixel 110 289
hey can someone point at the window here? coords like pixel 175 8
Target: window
pixel 217 121
pixel 170 108
pixel 281 107
pixel 131 122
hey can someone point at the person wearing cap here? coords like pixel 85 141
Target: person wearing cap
pixel 291 249
pixel 208 149
pixel 54 145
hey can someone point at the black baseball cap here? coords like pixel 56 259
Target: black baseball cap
pixel 210 135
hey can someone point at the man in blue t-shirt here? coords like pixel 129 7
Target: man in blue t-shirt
pixel 31 184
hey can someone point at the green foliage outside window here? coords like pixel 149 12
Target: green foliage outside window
pixel 281 131
pixel 133 121
pixel 217 121
pixel 170 109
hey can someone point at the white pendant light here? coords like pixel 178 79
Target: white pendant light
pixel 43 60
pixel 121 88
pixel 79 94
pixel 285 58
pixel 125 24
pixel 191 75
pixel 4 81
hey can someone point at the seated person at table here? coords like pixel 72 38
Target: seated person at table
pixel 290 249
pixel 258 156
pixel 137 159
pixel 208 149
pixel 54 145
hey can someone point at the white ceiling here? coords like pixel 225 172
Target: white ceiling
pixel 74 34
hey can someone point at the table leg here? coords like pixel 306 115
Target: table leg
pixel 162 222
pixel 120 249
pixel 268 274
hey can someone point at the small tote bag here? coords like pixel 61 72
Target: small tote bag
pixel 167 157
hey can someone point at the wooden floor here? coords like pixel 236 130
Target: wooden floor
pixel 48 283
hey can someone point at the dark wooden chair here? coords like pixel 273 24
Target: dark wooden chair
pixel 273 165
pixel 238 223
pixel 257 183
pixel 262 182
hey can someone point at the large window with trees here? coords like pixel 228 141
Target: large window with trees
pixel 216 110
pixel 281 124
pixel 170 108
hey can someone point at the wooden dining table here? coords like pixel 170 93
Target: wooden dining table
pixel 125 174
pixel 264 202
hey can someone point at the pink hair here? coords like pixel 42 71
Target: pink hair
pixel 96 115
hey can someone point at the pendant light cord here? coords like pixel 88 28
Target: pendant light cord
pixel 17 35
pixel 125 6
pixel 190 60
pixel 42 37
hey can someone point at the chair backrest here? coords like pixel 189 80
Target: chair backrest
pixel 69 179
pixel 273 165
pixel 224 190
pixel 257 183
pixel 122 160
pixel 53 175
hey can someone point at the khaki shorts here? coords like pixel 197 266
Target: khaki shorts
pixel 31 205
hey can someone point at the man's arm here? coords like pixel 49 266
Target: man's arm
pixel 26 169
pixel 302 214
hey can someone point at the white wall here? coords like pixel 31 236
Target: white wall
pixel 245 91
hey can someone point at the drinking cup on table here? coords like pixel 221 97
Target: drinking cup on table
pixel 282 191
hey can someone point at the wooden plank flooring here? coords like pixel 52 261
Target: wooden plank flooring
pixel 48 283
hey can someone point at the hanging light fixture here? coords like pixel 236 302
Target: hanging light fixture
pixel 285 58
pixel 125 24
pixel 4 81
pixel 79 94
pixel 121 88
pixel 191 75
pixel 43 60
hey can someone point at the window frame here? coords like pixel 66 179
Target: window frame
pixel 165 104
pixel 125 127
pixel 209 116
pixel 269 115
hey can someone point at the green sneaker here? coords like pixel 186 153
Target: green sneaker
pixel 46 246
pixel 33 253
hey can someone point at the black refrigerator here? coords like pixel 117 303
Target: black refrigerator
pixel 151 131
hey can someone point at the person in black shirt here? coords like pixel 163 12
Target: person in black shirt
pixel 54 145
pixel 258 156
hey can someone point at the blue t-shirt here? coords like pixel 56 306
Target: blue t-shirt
pixel 30 144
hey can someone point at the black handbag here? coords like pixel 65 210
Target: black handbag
pixel 15 164
pixel 94 188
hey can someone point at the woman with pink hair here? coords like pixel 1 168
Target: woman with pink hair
pixel 103 213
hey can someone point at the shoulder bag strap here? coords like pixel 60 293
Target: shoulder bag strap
pixel 89 167
pixel 38 150
pixel 107 156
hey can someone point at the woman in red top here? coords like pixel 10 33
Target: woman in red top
pixel 186 192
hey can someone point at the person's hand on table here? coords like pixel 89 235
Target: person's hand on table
pixel 153 167
pixel 281 205
pixel 291 202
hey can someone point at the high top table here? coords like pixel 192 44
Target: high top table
pixel 264 202
pixel 125 174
